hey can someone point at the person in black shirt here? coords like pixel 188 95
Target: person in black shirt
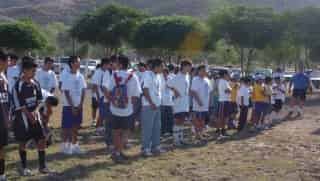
pixel 4 113
pixel 27 124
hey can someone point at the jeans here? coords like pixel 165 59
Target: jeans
pixel 151 126
pixel 166 119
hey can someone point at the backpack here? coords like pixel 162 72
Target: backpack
pixel 119 94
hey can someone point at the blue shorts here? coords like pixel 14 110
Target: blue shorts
pixel 68 119
pixel 200 115
pixel 181 115
pixel 261 108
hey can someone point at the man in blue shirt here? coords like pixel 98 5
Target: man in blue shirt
pixel 299 85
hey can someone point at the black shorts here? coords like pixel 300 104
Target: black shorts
pixel 118 122
pixel 225 109
pixel 94 103
pixel 233 108
pixel 3 135
pixel 23 135
pixel 181 115
pixel 200 115
pixel 300 94
pixel 277 106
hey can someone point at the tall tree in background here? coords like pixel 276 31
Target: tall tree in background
pixel 109 26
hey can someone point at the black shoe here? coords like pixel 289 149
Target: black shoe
pixel 117 158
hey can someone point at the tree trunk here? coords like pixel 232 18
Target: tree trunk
pixel 250 56
pixel 242 60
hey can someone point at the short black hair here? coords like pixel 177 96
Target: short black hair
pixel 72 59
pixel 114 58
pixel 222 73
pixel 124 61
pixel 170 67
pixel 141 64
pixel 156 63
pixel 52 100
pixel 48 59
pixel 3 57
pixel 185 63
pixel 149 62
pixel 268 79
pixel 13 56
pixel 200 67
pixel 105 61
pixel 28 63
pixel 245 80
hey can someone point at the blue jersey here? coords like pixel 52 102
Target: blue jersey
pixel 300 81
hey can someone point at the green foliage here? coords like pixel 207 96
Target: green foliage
pixel 182 34
pixel 21 36
pixel 110 26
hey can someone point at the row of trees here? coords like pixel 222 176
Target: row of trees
pixel 231 35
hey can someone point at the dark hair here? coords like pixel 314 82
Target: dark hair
pixel 13 56
pixel 3 56
pixel 48 59
pixel 114 58
pixel 222 73
pixel 52 100
pixel 156 63
pixel 124 61
pixel 149 63
pixel 98 66
pixel 200 67
pixel 268 79
pixel 141 64
pixel 72 59
pixel 245 80
pixel 185 63
pixel 105 61
pixel 28 63
pixel 170 67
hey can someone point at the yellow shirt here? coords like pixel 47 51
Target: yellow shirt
pixel 234 92
pixel 258 94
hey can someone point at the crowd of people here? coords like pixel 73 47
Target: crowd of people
pixel 158 98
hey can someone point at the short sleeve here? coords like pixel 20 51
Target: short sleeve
pixel 194 85
pixel 83 82
pixel 171 83
pixel 147 82
pixel 106 80
pixel 65 85
pixel 95 78
pixel 135 87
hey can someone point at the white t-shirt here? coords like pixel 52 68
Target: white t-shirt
pixel 13 74
pixel 244 92
pixel 46 79
pixel 140 76
pixel 106 82
pixel 97 79
pixel 223 85
pixel 181 83
pixel 74 83
pixel 167 93
pixel 133 90
pixel 278 92
pixel 64 74
pixel 153 84
pixel 202 87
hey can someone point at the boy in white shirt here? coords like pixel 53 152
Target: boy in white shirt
pixel 13 71
pixel 166 105
pixel 124 89
pixel 150 112
pixel 200 92
pixel 278 98
pixel 243 99
pixel 97 88
pixel 180 85
pixel 74 93
pixel 224 90
pixel 46 77
pixel 64 75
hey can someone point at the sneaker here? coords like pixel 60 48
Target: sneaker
pixel 94 123
pixel 25 172
pixel 147 153
pixel 3 178
pixel 76 149
pixel 158 151
pixel 31 144
pixel 117 158
pixel 46 170
pixel 221 137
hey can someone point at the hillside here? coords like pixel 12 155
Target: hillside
pixel 45 11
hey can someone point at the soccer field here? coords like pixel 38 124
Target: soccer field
pixel 289 151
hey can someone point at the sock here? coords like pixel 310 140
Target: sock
pixel 176 130
pixel 2 166
pixel 42 159
pixel 23 158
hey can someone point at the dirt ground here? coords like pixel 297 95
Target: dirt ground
pixel 289 151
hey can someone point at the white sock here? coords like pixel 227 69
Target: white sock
pixel 176 131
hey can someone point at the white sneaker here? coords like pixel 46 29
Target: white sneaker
pixel 3 178
pixel 68 149
pixel 26 172
pixel 76 149
pixel 147 153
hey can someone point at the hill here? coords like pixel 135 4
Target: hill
pixel 46 11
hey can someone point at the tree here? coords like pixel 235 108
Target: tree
pixel 109 26
pixel 246 28
pixel 171 34
pixel 22 36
